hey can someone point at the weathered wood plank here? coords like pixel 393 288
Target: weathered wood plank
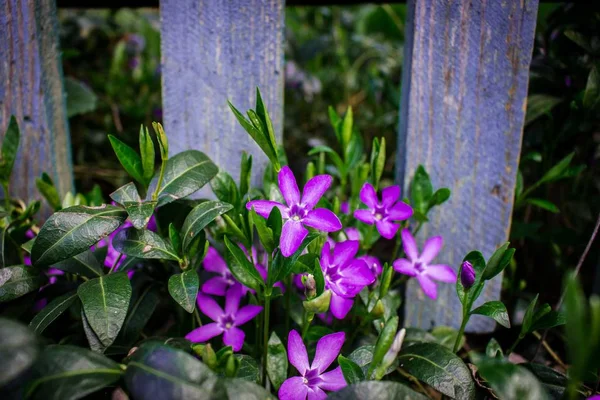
pixel 31 88
pixel 463 105
pixel 212 51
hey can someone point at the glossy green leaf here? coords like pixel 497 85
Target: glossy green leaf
pixel 377 160
pixel 66 372
pixel 105 301
pixel 282 266
pixel 352 371
pixel 140 213
pixel 47 189
pixel 498 261
pixel 175 238
pixel 384 341
pixel 510 381
pixel 185 174
pixel 363 355
pixel 446 336
pixel 163 142
pixel 275 223
pixel 184 289
pixel 141 308
pixel 245 173
pixel 439 197
pixel 80 98
pixel 126 194
pixel 269 132
pixel 18 349
pixel 346 128
pixel 241 268
pixel 277 361
pixel 440 368
pixel 335 157
pixel 495 310
pixel 265 234
pixel 539 105
pixel 199 218
pixel 421 190
pixel 549 320
pixel 143 244
pixel 248 369
pixel 380 390
pixel 52 311
pixel 528 317
pixel 553 381
pixel 84 264
pixel 73 230
pixel 129 159
pixel 558 170
pixel 19 280
pixel 591 94
pixel 493 349
pixel 10 147
pixel 147 155
pixel 94 341
pixel 224 187
pixel 543 204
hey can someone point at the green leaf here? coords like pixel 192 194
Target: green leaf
pixel 163 142
pixel 147 155
pixel 528 317
pixel 126 194
pixel 377 161
pixel 553 381
pixel 380 390
pixel 549 320
pixel 18 349
pixel 184 289
pixel 539 105
pixel 558 171
pixel 10 147
pixel 48 190
pixel 352 372
pixel 493 349
pixel 175 238
pixel 140 310
pixel 440 368
pixel 265 234
pixel 439 197
pixel 224 187
pixel 277 361
pixel 73 230
pixel 275 223
pixel 19 280
pixel 421 190
pixel 245 173
pixel 543 204
pixel 248 369
pixel 185 174
pixel 263 114
pixel 94 341
pixel 129 159
pixel 498 261
pixel 241 268
pixel 363 356
pixel 80 98
pixel 65 372
pixel 347 124
pixel 105 301
pixel 143 244
pixel 510 381
pixel 591 95
pixel 446 336
pixel 84 264
pixel 283 266
pixel 52 311
pixel 140 213
pixel 495 310
pixel 384 341
pixel 199 218
pixel 335 157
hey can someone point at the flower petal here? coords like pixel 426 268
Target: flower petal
pixel 297 352
pixel 293 389
pixel 404 266
pixel 209 306
pixel 387 229
pixel 340 306
pixel 352 233
pixel 429 287
pixel 264 207
pixel 328 348
pixel 365 216
pixel 232 299
pixel 442 273
pixel 368 195
pixel 359 273
pixel 234 337
pixel 288 186
pixel 409 245
pixel 204 333
pixel 292 235
pixel 315 393
pixel 323 220
pixel 333 380
pixel 246 313
pixel 213 261
pixel 431 248
pixel 314 189
pixel 216 286
pixel 400 211
pixel 390 195
pixel 343 252
pixel 373 263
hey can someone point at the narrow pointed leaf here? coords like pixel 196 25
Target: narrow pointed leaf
pixel 19 280
pixel 52 311
pixel 498 261
pixel 129 159
pixel 10 146
pixel 352 372
pixel 143 243
pixel 495 310
pixel 184 289
pixel 241 268
pixel 380 390
pixel 126 193
pixel 147 155
pixel 48 190
pixel 141 308
pixel 84 264
pixel 199 218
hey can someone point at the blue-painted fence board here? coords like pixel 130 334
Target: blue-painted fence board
pixel 214 51
pixel 31 88
pixel 462 112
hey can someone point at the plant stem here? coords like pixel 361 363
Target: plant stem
pixel 266 335
pixel 514 345
pixel 465 319
pixel 161 176
pixel 197 315
pixel 288 301
pixel 396 246
pixel 305 323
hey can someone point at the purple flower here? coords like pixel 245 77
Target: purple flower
pixel 383 213
pixel 344 275
pixel 299 211
pixel 420 266
pixel 345 207
pixel 313 379
pixel 224 280
pixel 373 263
pixel 467 274
pixel 226 322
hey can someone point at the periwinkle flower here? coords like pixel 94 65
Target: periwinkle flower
pixel 299 211
pixel 420 266
pixel 344 275
pixel 217 285
pixel 467 274
pixel 313 379
pixel 385 212
pixel 226 322
pixel 372 261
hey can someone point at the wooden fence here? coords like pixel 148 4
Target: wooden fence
pixel 464 88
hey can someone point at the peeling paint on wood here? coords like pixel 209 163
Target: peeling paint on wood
pixel 463 86
pixel 31 88
pixel 214 51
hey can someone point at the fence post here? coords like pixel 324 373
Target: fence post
pixel 31 88
pixel 464 89
pixel 214 51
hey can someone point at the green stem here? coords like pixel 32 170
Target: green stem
pixel 161 176
pixel 305 323
pixel 514 345
pixel 6 196
pixel 266 335
pixel 465 319
pixel 396 246
pixel 197 315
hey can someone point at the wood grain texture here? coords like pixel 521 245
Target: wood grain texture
pixel 461 116
pixel 31 88
pixel 214 51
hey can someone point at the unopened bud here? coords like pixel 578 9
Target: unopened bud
pixel 467 274
pixel 232 365
pixel 318 305
pixel 378 310
pixel 391 354
pixel 209 357
pixel 310 286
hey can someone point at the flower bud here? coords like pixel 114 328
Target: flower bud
pixel 318 305
pixel 378 310
pixel 232 365
pixel 467 274
pixel 209 357
pixel 310 286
